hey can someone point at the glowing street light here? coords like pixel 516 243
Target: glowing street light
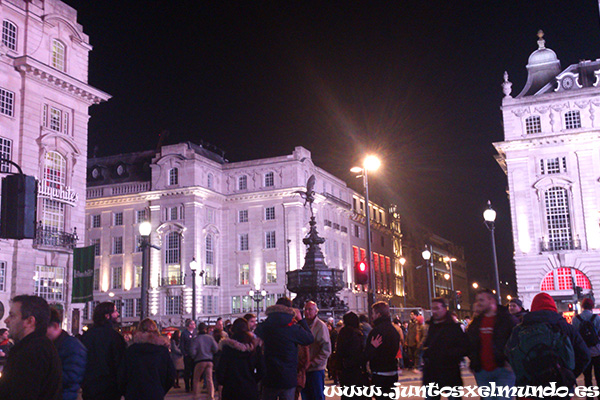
pixel 475 285
pixel 426 254
pixel 489 216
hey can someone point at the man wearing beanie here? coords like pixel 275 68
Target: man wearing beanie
pixel 488 334
pixel 515 307
pixel 586 315
pixel 544 314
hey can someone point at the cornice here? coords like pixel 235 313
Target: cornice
pixel 561 139
pixel 60 80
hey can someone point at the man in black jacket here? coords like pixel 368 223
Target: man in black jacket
pixel 488 334
pixel 382 346
pixel 444 347
pixel 32 370
pixel 187 336
pixel 106 349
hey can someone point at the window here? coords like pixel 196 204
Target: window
pixel 49 283
pixel 209 181
pixel 269 213
pixel 269 179
pixel 53 215
pixel 173 305
pixel 55 119
pixel 128 309
pixel 243 216
pixel 558 218
pixel 210 254
pixel 173 248
pixel 96 221
pixel 97 279
pixel 173 176
pixel 555 165
pixel 572 120
pixel 117 245
pixel 118 219
pixel 138 307
pixel 2 276
pixel 243 182
pixel 9 35
pixel 140 216
pixel 533 125
pixel 271 272
pixel 270 240
pixel 356 231
pixel 7 102
pixel 137 280
pixel 243 241
pixel 96 244
pixel 244 274
pixel 5 152
pixel 54 170
pixel 137 244
pixel 172 214
pixel 117 277
pixel 58 55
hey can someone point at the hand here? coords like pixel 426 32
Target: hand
pixel 376 341
pixel 297 314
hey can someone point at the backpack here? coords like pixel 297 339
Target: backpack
pixel 543 353
pixel 587 331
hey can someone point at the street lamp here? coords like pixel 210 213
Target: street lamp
pixel 475 285
pixel 402 262
pixel 194 267
pixel 145 229
pixel 370 163
pixel 450 260
pixel 428 264
pixel 489 216
pixel 258 296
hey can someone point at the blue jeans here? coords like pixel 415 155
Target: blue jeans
pixel 501 376
pixel 281 394
pixel 315 385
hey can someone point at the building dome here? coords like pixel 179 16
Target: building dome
pixel 542 56
pixel 542 68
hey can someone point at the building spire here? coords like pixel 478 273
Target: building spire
pixel 541 42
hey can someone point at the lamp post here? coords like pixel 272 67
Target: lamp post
pixel 428 264
pixel 371 163
pixel 145 229
pixel 258 296
pixel 402 262
pixel 193 267
pixel 450 260
pixel 489 216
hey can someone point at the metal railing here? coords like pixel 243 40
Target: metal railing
pixel 173 280
pixel 52 237
pixel 212 281
pixel 560 244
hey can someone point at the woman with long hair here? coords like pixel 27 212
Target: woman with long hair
pixel 176 356
pixel 241 365
pixel 147 373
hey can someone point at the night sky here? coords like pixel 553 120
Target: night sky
pixel 417 82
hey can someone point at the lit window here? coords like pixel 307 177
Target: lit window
pixel 9 35
pixel 54 170
pixel 243 182
pixel 244 274
pixel 270 240
pixel 572 120
pixel 117 277
pixel 173 248
pixel 49 283
pixel 173 176
pixel 6 153
pixel 533 124
pixel 269 213
pixel 243 216
pixel 269 179
pixel 243 241
pixel 117 245
pixel 558 218
pixel 58 55
pixel 7 102
pixel 271 272
pixel 210 250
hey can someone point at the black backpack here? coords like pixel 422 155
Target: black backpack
pixel 587 331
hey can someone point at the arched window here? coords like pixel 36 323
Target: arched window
pixel 210 277
pixel 58 55
pixel 173 256
pixel 210 255
pixel 9 35
pixel 173 176
pixel 533 124
pixel 558 219
pixel 572 120
pixel 562 279
pixel 53 211
pixel 54 170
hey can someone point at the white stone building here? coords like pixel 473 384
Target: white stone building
pixel 44 102
pixel 551 154
pixel 243 222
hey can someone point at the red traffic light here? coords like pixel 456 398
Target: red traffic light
pixel 362 266
pixel 361 273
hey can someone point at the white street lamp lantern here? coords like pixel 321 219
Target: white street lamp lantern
pixel 372 163
pixel 489 215
pixel 194 264
pixel 145 228
pixel 426 254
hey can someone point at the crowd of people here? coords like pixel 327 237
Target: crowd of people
pixel 288 355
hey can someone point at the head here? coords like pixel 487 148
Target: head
pixel 381 310
pixel 54 326
pixel 176 336
pixel 105 313
pixel 439 308
pixel 219 323
pixel 27 314
pixel 251 318
pixel 240 331
pixel 310 310
pixel 351 320
pixel 543 301
pixel 587 304
pixel 3 334
pixel 284 301
pixel 148 326
pixel 486 302
pixel 190 325
pixel 413 315
pixel 202 328
pixel 515 306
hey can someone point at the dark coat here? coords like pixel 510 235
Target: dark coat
pixel 106 349
pixel 147 372
pixel 443 349
pixel 349 345
pixel 582 353
pixel 383 358
pixel 241 366
pixel 32 371
pixel 281 337
pixel 502 330
pixel 185 342
pixel 73 356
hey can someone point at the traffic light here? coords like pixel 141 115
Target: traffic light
pixel 458 298
pixel 361 273
pixel 17 211
pixel 570 306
